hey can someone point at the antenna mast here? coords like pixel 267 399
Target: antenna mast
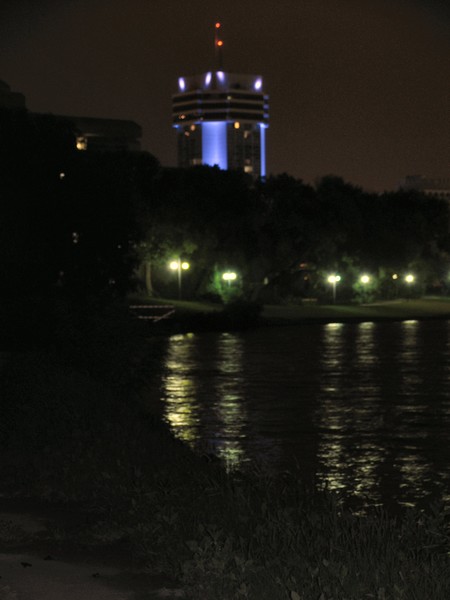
pixel 218 45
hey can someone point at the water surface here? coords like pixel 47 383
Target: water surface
pixel 360 408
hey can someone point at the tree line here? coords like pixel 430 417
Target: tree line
pixel 103 224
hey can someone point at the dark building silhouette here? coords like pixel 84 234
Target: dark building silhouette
pixel 9 99
pixel 432 186
pixel 92 134
pixel 106 135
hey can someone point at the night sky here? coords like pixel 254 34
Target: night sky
pixel 358 88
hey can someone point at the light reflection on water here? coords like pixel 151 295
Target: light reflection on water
pixel 360 408
pixel 203 395
pixel 341 459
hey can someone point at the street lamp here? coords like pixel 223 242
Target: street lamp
pixel 178 265
pixel 409 280
pixel 229 276
pixel 365 279
pixel 334 279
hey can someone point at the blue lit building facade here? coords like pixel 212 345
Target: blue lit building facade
pixel 221 119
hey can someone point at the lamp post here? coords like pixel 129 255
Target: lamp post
pixel 395 284
pixel 178 265
pixel 334 279
pixel 409 280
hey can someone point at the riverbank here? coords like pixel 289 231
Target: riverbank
pixel 77 431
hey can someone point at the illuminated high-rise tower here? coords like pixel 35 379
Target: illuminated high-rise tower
pixel 221 119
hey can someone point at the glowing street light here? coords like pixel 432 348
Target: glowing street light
pixel 409 278
pixel 365 279
pixel 229 276
pixel 334 279
pixel 178 265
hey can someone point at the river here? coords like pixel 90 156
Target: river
pixel 362 409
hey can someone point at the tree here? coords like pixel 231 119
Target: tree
pixel 70 219
pixel 203 214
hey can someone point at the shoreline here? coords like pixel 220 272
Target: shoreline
pixel 198 316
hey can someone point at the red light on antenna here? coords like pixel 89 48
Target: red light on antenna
pixel 217 25
pixel 219 43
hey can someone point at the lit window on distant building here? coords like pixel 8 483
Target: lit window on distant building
pixel 81 143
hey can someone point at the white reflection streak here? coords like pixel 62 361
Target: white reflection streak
pixel 331 450
pixel 179 390
pixel 229 386
pixel 415 471
pixel 349 467
pixel 368 417
pixel 409 357
pixel 411 464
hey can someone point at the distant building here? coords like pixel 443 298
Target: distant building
pixel 106 135
pixel 439 187
pixel 221 119
pixel 9 99
pixel 92 134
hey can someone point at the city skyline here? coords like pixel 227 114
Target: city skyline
pixel 357 92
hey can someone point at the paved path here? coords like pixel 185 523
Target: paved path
pixel 33 567
pixel 34 578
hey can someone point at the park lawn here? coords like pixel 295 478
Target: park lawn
pixel 428 307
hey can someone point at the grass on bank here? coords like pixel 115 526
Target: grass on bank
pixel 74 429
